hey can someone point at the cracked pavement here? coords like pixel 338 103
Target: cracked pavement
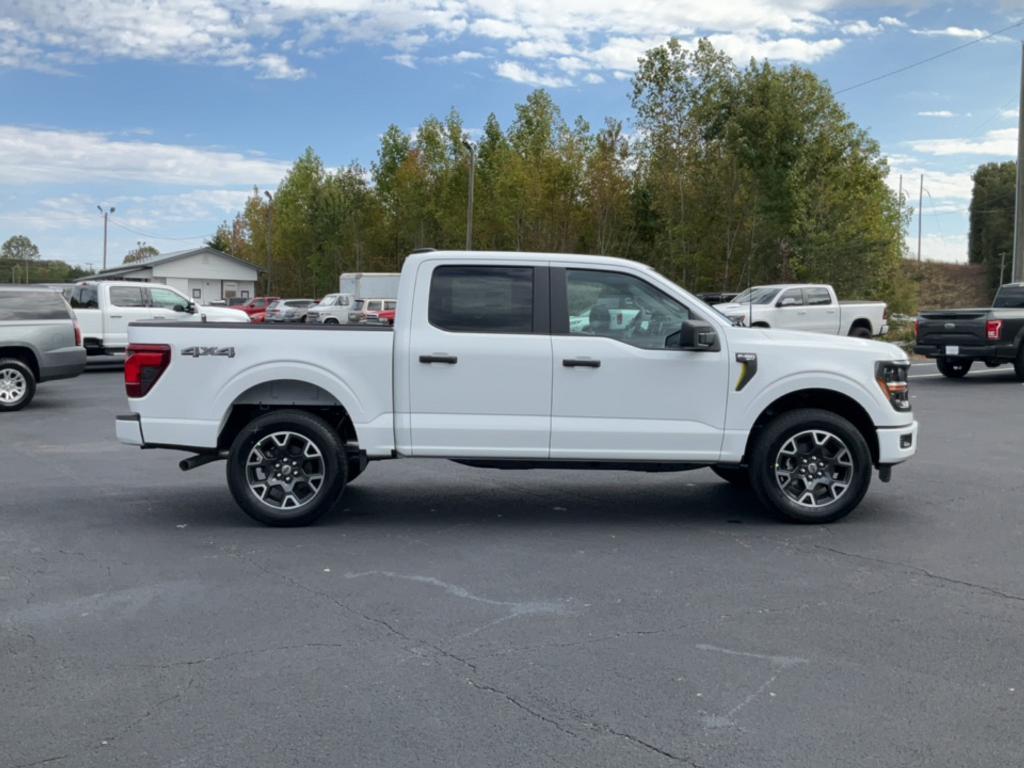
pixel 448 616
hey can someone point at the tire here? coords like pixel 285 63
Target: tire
pixel 17 384
pixel 312 447
pixel 953 367
pixel 331 321
pixel 993 363
pixel 736 476
pixel 1018 363
pixel 799 440
pixel 860 332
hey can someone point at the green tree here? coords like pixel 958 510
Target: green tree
pixel 19 248
pixel 140 252
pixel 993 197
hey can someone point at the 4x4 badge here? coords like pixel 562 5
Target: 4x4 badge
pixel 209 351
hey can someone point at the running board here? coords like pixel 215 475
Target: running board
pixel 200 459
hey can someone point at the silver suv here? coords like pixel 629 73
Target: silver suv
pixel 39 340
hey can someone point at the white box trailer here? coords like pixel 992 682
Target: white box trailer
pixel 369 285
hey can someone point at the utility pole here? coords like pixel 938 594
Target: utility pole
pixel 106 213
pixel 469 205
pixel 270 231
pixel 920 212
pixel 1018 209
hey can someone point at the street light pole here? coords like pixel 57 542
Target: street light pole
pixel 270 232
pixel 106 213
pixel 469 205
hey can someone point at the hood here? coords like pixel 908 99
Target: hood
pixel 811 342
pixel 222 314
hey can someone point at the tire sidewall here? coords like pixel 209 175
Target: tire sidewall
pixel 311 427
pixel 30 384
pixel 771 440
pixel 860 332
pixel 945 366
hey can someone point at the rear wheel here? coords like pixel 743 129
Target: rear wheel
pixel 331 321
pixel 810 466
pixel 953 367
pixel 17 384
pixel 286 468
pixel 860 332
pixel 737 476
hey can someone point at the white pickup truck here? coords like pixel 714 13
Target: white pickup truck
pixel 803 307
pixel 104 309
pixel 484 368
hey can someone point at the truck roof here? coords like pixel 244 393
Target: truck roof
pixel 507 256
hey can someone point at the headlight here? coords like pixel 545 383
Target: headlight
pixel 892 378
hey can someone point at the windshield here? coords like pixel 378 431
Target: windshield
pixel 761 294
pixel 330 300
pixel 1010 296
pixel 357 304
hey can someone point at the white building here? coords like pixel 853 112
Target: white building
pixel 204 274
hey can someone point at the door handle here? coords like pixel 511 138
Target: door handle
pixel 115 317
pixel 447 359
pixel 581 363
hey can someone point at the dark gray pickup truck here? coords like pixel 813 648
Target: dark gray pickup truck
pixel 39 341
pixel 956 338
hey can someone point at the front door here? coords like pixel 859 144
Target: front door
pixel 620 391
pixel 167 304
pixel 790 311
pixel 128 303
pixel 480 362
pixel 822 312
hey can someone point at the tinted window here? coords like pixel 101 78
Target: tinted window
pixel 126 297
pixel 619 306
pixel 165 299
pixel 817 297
pixel 84 297
pixel 482 299
pixel 390 304
pixel 358 304
pixel 759 295
pixel 794 297
pixel 373 306
pixel 32 305
pixel 1010 296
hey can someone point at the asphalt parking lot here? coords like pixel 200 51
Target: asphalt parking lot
pixel 447 616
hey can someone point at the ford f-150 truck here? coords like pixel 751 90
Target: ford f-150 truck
pixel 483 367
pixel 800 307
pixel 958 337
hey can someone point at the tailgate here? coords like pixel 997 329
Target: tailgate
pixel 953 327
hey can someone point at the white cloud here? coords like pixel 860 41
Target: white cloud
pixel 938 247
pixel 466 56
pixel 937 113
pixel 33 156
pixel 794 49
pixel 891 21
pixel 860 27
pixel 502 30
pixel 516 72
pixel 403 59
pixel 959 32
pixel 1001 142
pixel 593 78
pixel 274 66
pixel 941 185
pixel 1009 114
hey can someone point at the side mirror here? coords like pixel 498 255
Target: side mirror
pixel 698 336
pixel 190 308
pixel 789 301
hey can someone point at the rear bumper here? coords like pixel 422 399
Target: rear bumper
pixel 128 429
pixel 973 352
pixel 896 444
pixel 62 364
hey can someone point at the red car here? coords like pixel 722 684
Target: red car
pixel 257 305
pixel 386 316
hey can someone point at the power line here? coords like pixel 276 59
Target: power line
pixel 156 237
pixel 930 58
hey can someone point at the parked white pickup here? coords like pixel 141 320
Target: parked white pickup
pixel 490 364
pixel 104 309
pixel 802 307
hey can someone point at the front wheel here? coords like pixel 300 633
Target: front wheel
pixel 286 468
pixel 810 466
pixel 331 321
pixel 17 384
pixel 953 367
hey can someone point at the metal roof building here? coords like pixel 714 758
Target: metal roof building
pixel 205 274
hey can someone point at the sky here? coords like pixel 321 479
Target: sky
pixel 172 110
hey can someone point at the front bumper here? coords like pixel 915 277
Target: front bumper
pixel 128 429
pixel 896 444
pixel 972 352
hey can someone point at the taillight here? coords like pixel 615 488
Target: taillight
pixel 143 366
pixel 892 378
pixel 78 333
pixel 993 329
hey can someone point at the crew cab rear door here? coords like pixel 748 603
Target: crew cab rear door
pixel 480 360
pixel 822 310
pixel 125 304
pixel 621 391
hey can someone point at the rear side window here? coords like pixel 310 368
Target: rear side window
pixel 794 297
pixel 1010 296
pixel 32 305
pixel 123 296
pixel 482 299
pixel 84 297
pixel 817 297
